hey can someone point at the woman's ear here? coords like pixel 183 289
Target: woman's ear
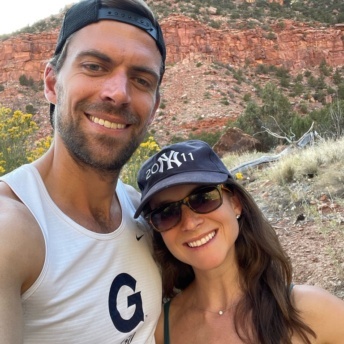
pixel 236 204
pixel 50 83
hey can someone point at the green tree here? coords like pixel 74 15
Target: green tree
pixel 329 120
pixel 341 91
pixel 297 89
pixel 324 68
pixel 337 77
pixel 275 114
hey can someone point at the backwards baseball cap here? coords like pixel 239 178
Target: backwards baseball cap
pixel 87 12
pixel 188 162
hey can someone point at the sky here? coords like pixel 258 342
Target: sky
pixel 16 14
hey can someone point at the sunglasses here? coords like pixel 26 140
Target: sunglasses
pixel 201 201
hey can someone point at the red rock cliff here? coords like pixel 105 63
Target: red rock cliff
pixel 26 54
pixel 296 45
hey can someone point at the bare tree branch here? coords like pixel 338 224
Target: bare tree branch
pixel 306 139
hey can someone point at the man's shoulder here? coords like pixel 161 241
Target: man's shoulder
pixel 17 222
pixel 9 201
pixel 21 241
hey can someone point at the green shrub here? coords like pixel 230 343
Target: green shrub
pixel 271 36
pixel 299 78
pixel 210 137
pixel 340 91
pixel 247 97
pixel 297 89
pixel 285 82
pixel 262 69
pixel 24 81
pixel 307 73
pixel 282 72
pixel 324 68
pixel 337 77
pixel 30 109
pixel 215 24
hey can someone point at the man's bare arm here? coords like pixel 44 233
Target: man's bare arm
pixel 21 260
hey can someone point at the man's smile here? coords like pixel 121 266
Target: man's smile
pixel 106 124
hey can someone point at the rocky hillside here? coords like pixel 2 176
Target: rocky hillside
pixel 209 70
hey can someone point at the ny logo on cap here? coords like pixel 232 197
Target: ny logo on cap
pixel 164 162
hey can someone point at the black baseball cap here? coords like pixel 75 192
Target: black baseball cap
pixel 188 162
pixel 86 12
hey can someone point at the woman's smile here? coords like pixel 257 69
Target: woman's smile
pixel 202 241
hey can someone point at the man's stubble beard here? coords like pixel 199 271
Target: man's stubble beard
pixel 78 145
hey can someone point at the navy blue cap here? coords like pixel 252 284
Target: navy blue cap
pixel 188 162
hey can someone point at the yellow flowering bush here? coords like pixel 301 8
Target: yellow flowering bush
pixel 142 153
pixel 16 131
pixel 2 164
pixel 41 146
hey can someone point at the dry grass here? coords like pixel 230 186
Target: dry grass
pixel 308 182
pixel 323 160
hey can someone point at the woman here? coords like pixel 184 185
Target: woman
pixel 224 271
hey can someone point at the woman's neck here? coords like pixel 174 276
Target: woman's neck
pixel 215 292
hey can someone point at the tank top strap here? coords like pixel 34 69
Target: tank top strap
pixel 291 286
pixel 166 322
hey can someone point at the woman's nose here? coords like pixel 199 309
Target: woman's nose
pixel 190 220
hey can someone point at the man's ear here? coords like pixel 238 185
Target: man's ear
pixel 156 106
pixel 50 83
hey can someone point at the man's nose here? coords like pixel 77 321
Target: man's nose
pixel 116 88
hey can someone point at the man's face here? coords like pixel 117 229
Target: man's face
pixel 106 93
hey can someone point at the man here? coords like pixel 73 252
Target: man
pixel 74 265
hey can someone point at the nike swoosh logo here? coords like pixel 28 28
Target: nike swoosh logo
pixel 138 237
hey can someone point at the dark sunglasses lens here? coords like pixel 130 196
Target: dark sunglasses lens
pixel 205 200
pixel 166 217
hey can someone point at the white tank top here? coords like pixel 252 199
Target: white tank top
pixel 93 288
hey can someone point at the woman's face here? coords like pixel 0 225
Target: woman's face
pixel 204 241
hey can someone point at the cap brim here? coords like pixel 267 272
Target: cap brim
pixel 193 177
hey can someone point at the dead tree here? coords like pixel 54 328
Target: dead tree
pixel 306 139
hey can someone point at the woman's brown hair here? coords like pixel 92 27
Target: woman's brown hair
pixel 265 278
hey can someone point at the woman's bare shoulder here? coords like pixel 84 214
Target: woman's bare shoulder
pixel 322 311
pixel 309 295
